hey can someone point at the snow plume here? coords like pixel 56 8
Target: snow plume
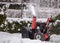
pixel 32 9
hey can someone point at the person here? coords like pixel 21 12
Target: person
pixel 33 26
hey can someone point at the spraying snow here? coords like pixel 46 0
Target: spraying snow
pixel 32 9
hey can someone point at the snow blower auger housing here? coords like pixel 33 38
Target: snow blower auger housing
pixel 42 32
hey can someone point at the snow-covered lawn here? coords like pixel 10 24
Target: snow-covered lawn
pixel 17 38
pixel 10 38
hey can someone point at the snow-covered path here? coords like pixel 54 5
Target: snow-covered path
pixel 17 38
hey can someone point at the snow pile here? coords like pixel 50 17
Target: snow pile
pixel 16 38
pixel 5 34
pixel 9 38
pixel 55 38
pixel 33 41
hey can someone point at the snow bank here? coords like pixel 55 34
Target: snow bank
pixel 10 38
pixel 55 38
pixel 33 41
pixel 5 34
pixel 17 38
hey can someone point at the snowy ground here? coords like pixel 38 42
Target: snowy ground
pixel 16 38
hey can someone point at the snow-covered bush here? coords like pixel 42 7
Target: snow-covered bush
pixel 55 27
pixel 2 18
pixel 14 26
pixel 58 16
pixel 10 25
